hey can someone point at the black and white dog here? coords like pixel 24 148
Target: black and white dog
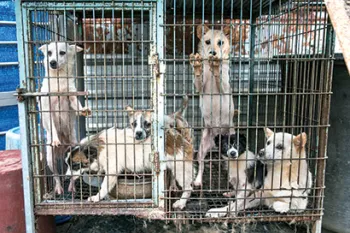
pixel 245 172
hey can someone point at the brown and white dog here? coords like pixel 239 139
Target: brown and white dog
pixel 130 149
pixel 288 180
pixel 56 111
pixel 211 71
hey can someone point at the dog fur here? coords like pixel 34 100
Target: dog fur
pixel 211 71
pixel 288 180
pixel 57 117
pixel 242 164
pixel 135 155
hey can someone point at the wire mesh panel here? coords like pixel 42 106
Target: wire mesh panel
pixel 204 110
pixel 271 61
pixel 89 96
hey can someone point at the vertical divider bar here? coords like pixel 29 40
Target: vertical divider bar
pixel 21 25
pixel 158 103
pixel 323 132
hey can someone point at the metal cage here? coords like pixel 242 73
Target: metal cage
pixel 280 63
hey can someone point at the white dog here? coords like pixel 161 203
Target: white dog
pixel 56 111
pixel 130 149
pixel 212 82
pixel 288 180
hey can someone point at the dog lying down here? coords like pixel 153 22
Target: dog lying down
pixel 114 150
pixel 286 183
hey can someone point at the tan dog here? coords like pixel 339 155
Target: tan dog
pixel 211 70
pixel 56 111
pixel 130 149
pixel 287 183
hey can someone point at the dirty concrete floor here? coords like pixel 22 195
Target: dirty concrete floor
pixel 130 224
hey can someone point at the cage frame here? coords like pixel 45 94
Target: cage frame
pixel 158 66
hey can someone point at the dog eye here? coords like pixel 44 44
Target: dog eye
pixel 268 142
pixel 133 124
pixel 49 53
pixel 220 42
pixel 62 53
pixel 207 42
pixel 147 124
pixel 279 147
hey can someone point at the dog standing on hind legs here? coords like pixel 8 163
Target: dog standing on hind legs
pixel 211 80
pixel 56 111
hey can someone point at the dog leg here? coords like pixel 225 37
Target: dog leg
pixel 242 202
pixel 76 106
pixel 54 140
pixel 205 145
pixel 214 64
pixel 50 158
pixel 108 184
pixel 71 187
pixel 184 177
pixel 197 64
pixel 280 206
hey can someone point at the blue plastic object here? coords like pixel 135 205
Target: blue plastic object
pixel 59 219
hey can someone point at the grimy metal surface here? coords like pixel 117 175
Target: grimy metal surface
pixel 279 59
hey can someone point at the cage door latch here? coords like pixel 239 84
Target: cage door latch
pixel 154 61
pixel 156 162
pixel 19 94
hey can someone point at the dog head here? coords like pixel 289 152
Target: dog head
pixel 140 122
pixel 58 54
pixel 213 42
pixel 178 122
pixel 280 145
pixel 231 145
pixel 178 134
pixel 84 157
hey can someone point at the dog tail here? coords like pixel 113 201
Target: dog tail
pixel 94 141
pixel 181 112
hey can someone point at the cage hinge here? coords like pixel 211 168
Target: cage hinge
pixel 154 60
pixel 19 93
pixel 156 162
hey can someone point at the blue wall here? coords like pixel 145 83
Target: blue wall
pixel 9 76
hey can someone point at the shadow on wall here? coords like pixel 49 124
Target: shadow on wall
pixel 337 201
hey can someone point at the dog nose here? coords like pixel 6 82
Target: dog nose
pixel 261 153
pixel 233 154
pixel 53 64
pixel 138 134
pixel 212 52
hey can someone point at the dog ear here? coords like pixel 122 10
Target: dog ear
pixel 130 110
pixel 236 112
pixel 227 30
pixel 217 139
pixel 242 139
pixel 43 48
pixel 76 48
pixel 300 140
pixel 199 30
pixel 268 132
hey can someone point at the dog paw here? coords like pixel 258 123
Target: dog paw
pixel 214 61
pixel 196 62
pixel 197 183
pixel 95 198
pixel 58 189
pixel 179 204
pixel 71 187
pixel 228 194
pixel 55 143
pixel 85 112
pixel 294 185
pixel 280 207
pixel 215 213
